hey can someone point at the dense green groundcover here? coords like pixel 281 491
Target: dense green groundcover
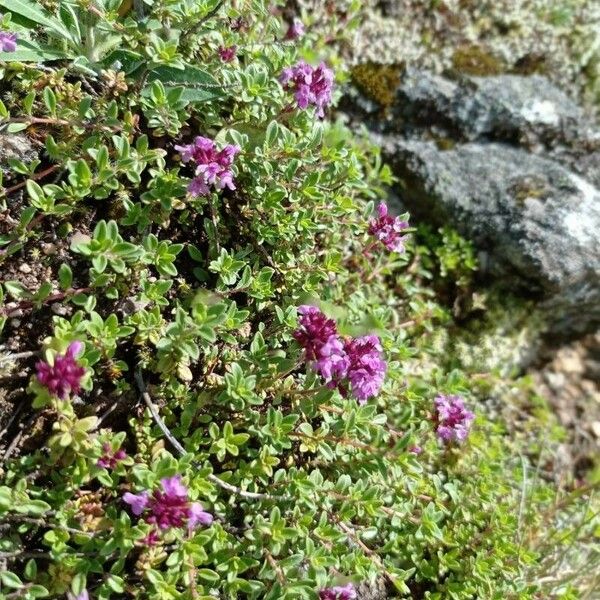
pixel 187 305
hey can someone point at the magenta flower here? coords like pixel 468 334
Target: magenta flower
pixel 311 85
pixel 367 368
pixel 416 450
pixel 110 459
pixel 63 377
pixel 8 41
pixel 138 502
pixel 332 362
pixel 314 331
pixel 339 592
pixel 453 418
pixel 227 54
pixel 323 347
pixel 197 516
pixel 357 360
pixel 169 506
pixel 388 229
pixel 213 167
pixel 295 30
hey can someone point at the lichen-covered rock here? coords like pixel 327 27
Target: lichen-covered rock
pixel 502 107
pixel 536 223
pixel 528 111
pixel 487 37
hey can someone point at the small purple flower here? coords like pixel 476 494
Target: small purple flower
pixel 339 592
pixel 172 487
pixel 138 502
pixel 227 54
pixel 8 41
pixel 416 450
pixel 323 347
pixel 81 596
pixel 367 368
pixel 453 418
pixel 295 30
pixel 213 167
pixel 110 459
pixel 332 362
pixel 359 360
pixel 198 516
pixel 388 229
pixel 314 331
pixel 63 377
pixel 168 506
pixel 311 85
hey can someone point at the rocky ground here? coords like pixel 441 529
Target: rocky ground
pixel 570 379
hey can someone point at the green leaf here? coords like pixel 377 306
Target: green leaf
pixel 30 570
pixel 272 133
pixel 35 191
pixel 15 127
pixel 40 54
pixel 50 100
pixel 208 575
pixel 35 507
pixel 31 11
pixel 190 76
pixel 10 580
pixel 65 276
pixel 198 85
pixel 38 591
pixel 16 289
pixel 129 60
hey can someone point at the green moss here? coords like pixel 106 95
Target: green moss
pixel 476 60
pixel 378 82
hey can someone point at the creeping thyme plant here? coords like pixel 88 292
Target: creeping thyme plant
pixel 218 369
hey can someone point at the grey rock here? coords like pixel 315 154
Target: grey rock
pixel 504 107
pixel 514 164
pixel 536 220
pixel 15 146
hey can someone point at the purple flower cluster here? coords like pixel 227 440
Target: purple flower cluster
pixel 168 506
pixel 110 459
pixel 295 30
pixel 388 229
pixel 339 592
pixel 8 41
pixel 213 167
pixel 453 418
pixel 322 345
pixel 63 377
pixel 227 54
pixel 367 369
pixel 311 85
pixel 358 360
